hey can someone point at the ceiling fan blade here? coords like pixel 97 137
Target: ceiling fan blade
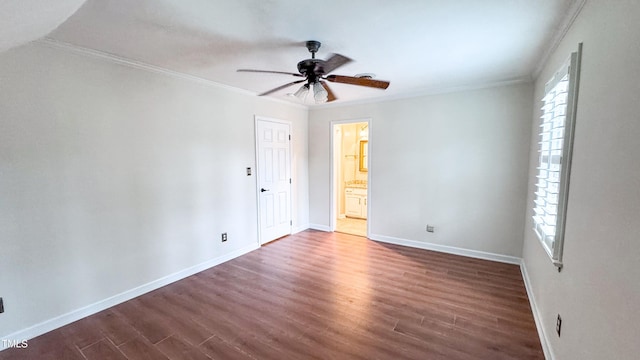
pixel 380 84
pixel 282 87
pixel 268 72
pixel 330 95
pixel 332 63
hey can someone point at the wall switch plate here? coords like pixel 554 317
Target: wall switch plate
pixel 224 237
pixel 558 325
pixel 430 228
pixel 1 306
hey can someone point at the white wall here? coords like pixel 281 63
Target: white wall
pixel 598 291
pixel 458 161
pixel 112 177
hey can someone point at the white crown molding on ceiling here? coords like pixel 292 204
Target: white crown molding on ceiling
pixel 563 28
pixel 568 19
pixel 151 68
pixel 159 70
pixel 427 92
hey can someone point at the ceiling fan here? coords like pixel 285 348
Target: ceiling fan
pixel 315 71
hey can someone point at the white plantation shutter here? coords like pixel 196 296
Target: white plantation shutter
pixel 555 140
pixel 551 141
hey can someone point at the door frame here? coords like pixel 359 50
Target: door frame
pixel 333 211
pixel 258 118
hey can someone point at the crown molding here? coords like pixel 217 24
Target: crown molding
pixel 420 92
pixel 97 54
pixel 570 16
pixel 426 92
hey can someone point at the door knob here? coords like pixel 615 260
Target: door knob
pixel 263 190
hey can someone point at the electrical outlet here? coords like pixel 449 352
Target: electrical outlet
pixel 224 237
pixel 430 228
pixel 1 306
pixel 248 171
pixel 558 325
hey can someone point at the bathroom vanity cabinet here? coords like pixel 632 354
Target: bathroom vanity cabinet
pixel 355 203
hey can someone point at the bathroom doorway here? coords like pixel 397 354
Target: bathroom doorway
pixel 350 176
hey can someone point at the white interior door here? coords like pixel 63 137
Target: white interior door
pixel 273 142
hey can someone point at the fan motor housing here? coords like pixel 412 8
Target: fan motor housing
pixel 311 68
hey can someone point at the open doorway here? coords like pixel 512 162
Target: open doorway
pixel 351 177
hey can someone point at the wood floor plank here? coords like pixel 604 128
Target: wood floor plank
pixel 218 349
pixel 102 350
pixel 81 333
pixel 114 327
pixel 141 349
pixel 148 323
pixel 177 349
pixel 317 295
pixel 189 329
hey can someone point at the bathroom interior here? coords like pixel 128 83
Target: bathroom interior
pixel 351 159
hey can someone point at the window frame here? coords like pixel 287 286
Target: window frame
pixel 570 67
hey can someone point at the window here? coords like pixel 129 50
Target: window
pixel 555 142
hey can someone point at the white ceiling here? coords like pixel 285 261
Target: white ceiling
pixel 22 21
pixel 418 45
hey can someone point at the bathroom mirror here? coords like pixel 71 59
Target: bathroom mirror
pixel 364 155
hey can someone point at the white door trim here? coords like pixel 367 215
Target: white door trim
pixel 257 119
pixel 333 186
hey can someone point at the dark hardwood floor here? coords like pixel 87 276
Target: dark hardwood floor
pixel 315 295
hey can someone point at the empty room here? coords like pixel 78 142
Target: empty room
pixel 416 179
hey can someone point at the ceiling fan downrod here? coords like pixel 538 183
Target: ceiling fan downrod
pixel 313 47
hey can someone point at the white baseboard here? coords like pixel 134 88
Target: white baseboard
pixel 68 318
pixel 447 249
pixel 320 227
pixel 298 229
pixel 544 340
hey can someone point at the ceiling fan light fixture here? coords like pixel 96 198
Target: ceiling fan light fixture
pixel 319 93
pixel 302 92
